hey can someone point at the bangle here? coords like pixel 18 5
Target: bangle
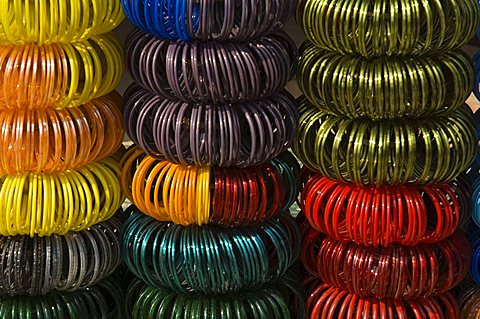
pixel 332 302
pixel 46 204
pixel 429 150
pixel 209 259
pixel 476 70
pixel 59 75
pixel 243 134
pixel 380 216
pixel 395 271
pixel 50 141
pixel 104 300
pixel 282 300
pixel 214 72
pixel 469 299
pixel 77 260
pixel 383 88
pixel 49 21
pixel 474 238
pixel 392 28
pixel 208 20
pixel 201 194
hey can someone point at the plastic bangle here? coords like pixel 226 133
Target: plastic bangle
pixel 382 88
pixel 38 265
pixel 200 194
pixel 208 19
pixel 282 300
pixel 59 75
pixel 387 272
pixel 243 134
pixel 375 28
pixel 55 204
pixel 375 216
pixel 469 299
pixel 49 21
pixel 102 301
pixel 386 152
pixel 50 141
pixel 211 71
pixel 332 302
pixel 209 259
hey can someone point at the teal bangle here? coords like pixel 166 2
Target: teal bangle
pixel 390 152
pixel 209 259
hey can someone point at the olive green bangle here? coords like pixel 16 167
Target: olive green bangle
pixel 384 87
pixel 374 28
pixel 385 152
pixel 281 300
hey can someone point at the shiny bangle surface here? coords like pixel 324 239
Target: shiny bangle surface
pixel 77 260
pixel 102 301
pixel 201 194
pixel 282 300
pixel 384 87
pixel 50 141
pixel 49 21
pixel 211 71
pixel 46 204
pixel 380 216
pixel 396 271
pixel 332 302
pixel 373 28
pixel 242 134
pixel 208 19
pixel 209 259
pixel 59 75
pixel 469 299
pixel 386 152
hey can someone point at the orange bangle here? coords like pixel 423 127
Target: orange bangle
pixel 49 141
pixel 59 75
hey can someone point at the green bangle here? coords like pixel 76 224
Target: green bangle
pixel 377 28
pixel 384 87
pixel 386 152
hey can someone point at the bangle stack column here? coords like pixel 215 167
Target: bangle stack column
pixel 60 122
pixel 210 234
pixel 385 135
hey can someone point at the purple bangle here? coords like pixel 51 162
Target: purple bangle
pixel 211 71
pixel 243 134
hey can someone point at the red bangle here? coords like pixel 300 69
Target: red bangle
pixel 395 271
pixel 375 216
pixel 326 301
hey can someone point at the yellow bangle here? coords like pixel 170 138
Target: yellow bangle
pixel 49 21
pixel 42 204
pixel 59 75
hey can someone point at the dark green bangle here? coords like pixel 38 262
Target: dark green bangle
pixel 386 152
pixel 375 28
pixel 384 87
pixel 283 299
pixel 209 259
pixel 106 300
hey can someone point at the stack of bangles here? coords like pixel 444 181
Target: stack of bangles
pixel 49 21
pixel 51 141
pixel 469 298
pixel 211 72
pixel 47 204
pixel 102 301
pixel 395 271
pixel 476 66
pixel 384 87
pixel 389 28
pixel 326 301
pixel 282 300
pixel 376 216
pixel 59 75
pixel 242 134
pixel 208 19
pixel 201 194
pixel 428 150
pixel 38 265
pixel 206 260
